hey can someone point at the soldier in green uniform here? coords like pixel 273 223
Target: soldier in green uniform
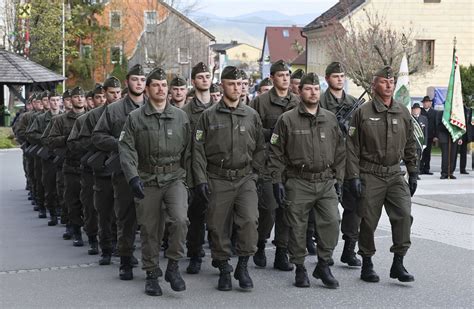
pixel 307 148
pixel 380 136
pixel 90 100
pixel 265 85
pixel 228 149
pixel 67 105
pixel 216 94
pixel 295 79
pixel 244 97
pixel 57 138
pixel 178 90
pixel 105 138
pixel 155 153
pixel 201 80
pixel 48 169
pixel 335 99
pixel 270 106
pixel 103 196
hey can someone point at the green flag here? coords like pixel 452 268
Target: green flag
pixel 453 115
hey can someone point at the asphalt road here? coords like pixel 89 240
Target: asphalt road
pixel 40 270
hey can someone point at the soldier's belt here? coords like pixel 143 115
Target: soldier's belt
pixel 370 167
pixel 229 173
pixel 162 169
pixel 298 173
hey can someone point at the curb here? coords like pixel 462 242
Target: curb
pixel 443 206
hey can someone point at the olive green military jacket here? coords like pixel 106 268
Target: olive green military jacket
pixel 194 110
pixel 329 102
pixel 227 139
pixel 85 135
pixel 36 129
pixel 270 106
pixel 107 130
pixel 73 142
pixel 303 142
pixel 381 136
pixel 151 141
pixel 25 121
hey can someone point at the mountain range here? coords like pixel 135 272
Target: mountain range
pixel 248 28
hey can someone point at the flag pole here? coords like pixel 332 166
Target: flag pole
pixel 452 142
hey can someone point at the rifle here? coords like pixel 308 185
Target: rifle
pixel 113 163
pixel 97 160
pixel 44 153
pixel 60 154
pixel 344 114
pixel 86 157
pixel 32 150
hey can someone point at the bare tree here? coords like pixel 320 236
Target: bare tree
pixel 366 45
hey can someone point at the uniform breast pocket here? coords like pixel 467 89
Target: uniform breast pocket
pixel 297 143
pixel 175 139
pixel 147 141
pixel 218 135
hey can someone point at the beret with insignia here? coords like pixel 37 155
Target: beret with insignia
pixel 90 94
pixel 215 88
pixel 231 72
pixel 112 82
pixel 280 65
pixel 45 94
pixel 266 82
pixel 309 79
pixel 77 91
pixel 244 74
pixel 385 72
pixel 67 94
pixel 178 81
pixel 199 68
pixel 334 67
pixel 137 69
pixel 157 74
pixel 52 94
pixel 98 89
pixel 297 74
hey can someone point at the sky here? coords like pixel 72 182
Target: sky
pixel 229 8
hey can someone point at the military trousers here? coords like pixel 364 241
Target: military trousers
pixel 166 205
pixel 60 194
pixel 49 183
pixel 25 169
pixel 30 166
pixel 393 192
pixel 302 196
pixel 125 215
pixel 72 193
pixel 39 188
pixel 197 226
pixel 350 219
pixel 91 225
pixel 233 203
pixel 104 206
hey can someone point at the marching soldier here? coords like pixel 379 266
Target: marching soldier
pixel 270 106
pixel 178 90
pixel 295 80
pixel 307 145
pixel 155 151
pixel 90 100
pixel 264 86
pixel 67 105
pixel 105 137
pixel 244 97
pixel 380 136
pixel 228 148
pixel 216 93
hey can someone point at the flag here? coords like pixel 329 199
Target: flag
pixel 453 115
pixel 402 95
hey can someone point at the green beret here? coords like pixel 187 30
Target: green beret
pixel 244 74
pixel 199 68
pixel 309 79
pixel 334 67
pixel 90 94
pixel 214 88
pixel 67 94
pixel 178 82
pixel 265 82
pixel 157 73
pixel 297 74
pixel 137 69
pixel 34 97
pixel 112 82
pixel 231 72
pixel 98 89
pixel 385 72
pixel 44 94
pixel 53 94
pixel 280 65
pixel 77 91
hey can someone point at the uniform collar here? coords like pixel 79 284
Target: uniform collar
pixel 320 117
pixel 275 99
pixel 197 106
pixel 223 108
pixel 394 108
pixel 73 115
pixel 149 110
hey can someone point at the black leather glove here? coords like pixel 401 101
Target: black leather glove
pixel 356 187
pixel 412 182
pixel 338 187
pixel 137 187
pixel 279 192
pixel 203 190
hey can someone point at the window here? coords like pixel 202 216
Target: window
pixel 425 49
pixel 183 55
pixel 286 33
pixel 116 54
pixel 115 20
pixel 150 21
pixel 86 51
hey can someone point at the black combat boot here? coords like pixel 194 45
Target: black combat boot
pixel 126 271
pixel 281 260
pixel 173 276
pixel 77 235
pixel 323 272
pixel 54 218
pixel 68 233
pixel 94 245
pixel 42 213
pixel 194 266
pixel 105 257
pixel 398 271
pixel 259 258
pixel 367 273
pixel 225 281
pixel 241 273
pixel 310 245
pixel 134 261
pixel 301 277
pixel 348 254
pixel 152 287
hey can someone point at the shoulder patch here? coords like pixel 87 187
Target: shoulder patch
pixel 351 131
pixel 274 139
pixel 121 135
pixel 199 134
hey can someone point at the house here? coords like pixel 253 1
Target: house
pixel 153 33
pixel 285 43
pixel 435 24
pixel 241 55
